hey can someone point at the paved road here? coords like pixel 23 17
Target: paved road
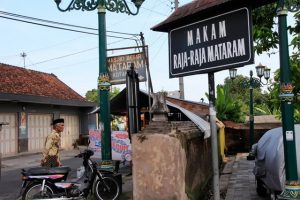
pixel 236 182
pixel 241 181
pixel 10 182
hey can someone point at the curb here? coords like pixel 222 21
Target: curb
pixel 25 154
pixel 20 155
pixel 225 175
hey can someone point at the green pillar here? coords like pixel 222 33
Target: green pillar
pixel 292 186
pixel 103 80
pixel 251 118
pixel 104 86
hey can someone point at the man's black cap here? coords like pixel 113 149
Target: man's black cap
pixel 56 121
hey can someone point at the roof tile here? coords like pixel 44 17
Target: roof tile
pixel 194 9
pixel 17 80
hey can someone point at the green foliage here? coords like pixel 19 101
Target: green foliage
pixel 275 91
pixel 114 92
pixel 92 95
pixel 264 36
pixel 228 108
pixel 266 39
pixel 295 32
pixel 263 109
pixel 240 90
pixel 265 31
pixel 297 114
pixel 164 91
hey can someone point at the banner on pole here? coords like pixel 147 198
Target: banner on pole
pixel 118 66
pixel 120 144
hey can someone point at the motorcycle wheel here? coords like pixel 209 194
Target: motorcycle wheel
pixel 261 189
pixel 33 191
pixel 107 189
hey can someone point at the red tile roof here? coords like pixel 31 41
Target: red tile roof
pixel 21 81
pixel 192 11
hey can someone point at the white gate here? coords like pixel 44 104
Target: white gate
pixel 71 131
pixel 39 126
pixel 8 134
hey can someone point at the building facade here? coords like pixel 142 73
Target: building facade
pixel 29 101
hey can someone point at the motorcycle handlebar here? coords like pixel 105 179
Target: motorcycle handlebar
pixel 87 153
pixel 78 156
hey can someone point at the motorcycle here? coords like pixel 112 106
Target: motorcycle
pixel 45 183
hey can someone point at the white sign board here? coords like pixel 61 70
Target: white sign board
pixel 120 144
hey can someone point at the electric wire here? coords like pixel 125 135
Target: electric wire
pixel 14 16
pixel 59 23
pixel 154 11
pixel 74 64
pixel 50 26
pixel 149 16
pixel 134 36
pixel 159 49
pixel 166 3
pixel 64 56
pixel 60 57
pixel 160 35
pixel 60 44
pixel 66 29
pixel 43 48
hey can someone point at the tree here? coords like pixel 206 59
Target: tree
pixel 227 107
pixel 114 92
pixel 266 39
pixel 239 89
pixel 92 95
pixel 275 101
pixel 265 32
pixel 295 32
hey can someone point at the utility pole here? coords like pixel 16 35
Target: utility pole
pixel 214 136
pixel 292 184
pixel 181 84
pixel 251 118
pixel 104 82
pixel 145 51
pixel 150 88
pixel 23 55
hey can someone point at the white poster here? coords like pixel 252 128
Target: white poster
pixel 120 144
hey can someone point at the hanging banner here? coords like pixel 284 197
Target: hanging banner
pixel 95 142
pixel 217 43
pixel 118 66
pixel 23 127
pixel 120 144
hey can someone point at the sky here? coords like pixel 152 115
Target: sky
pixel 73 57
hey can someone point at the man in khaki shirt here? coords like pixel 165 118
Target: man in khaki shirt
pixel 51 157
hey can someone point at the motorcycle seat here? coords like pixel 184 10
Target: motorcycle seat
pixel 48 170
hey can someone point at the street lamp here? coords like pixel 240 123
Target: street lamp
pixel 292 185
pixel 103 81
pixel 261 71
pixel 232 73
